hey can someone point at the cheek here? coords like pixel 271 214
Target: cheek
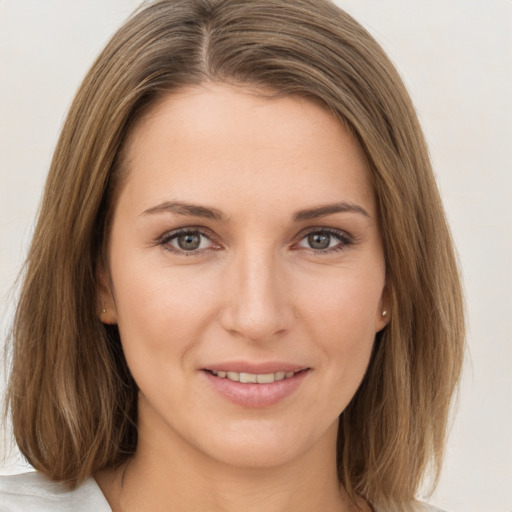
pixel 160 310
pixel 346 302
pixel 342 320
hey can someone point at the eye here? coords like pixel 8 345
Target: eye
pixel 325 240
pixel 186 241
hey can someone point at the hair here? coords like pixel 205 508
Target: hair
pixel 71 397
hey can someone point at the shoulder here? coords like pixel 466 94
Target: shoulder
pixel 31 492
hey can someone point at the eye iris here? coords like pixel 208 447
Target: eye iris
pixel 319 240
pixel 189 242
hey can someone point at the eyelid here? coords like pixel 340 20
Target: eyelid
pixel 164 240
pixel 345 239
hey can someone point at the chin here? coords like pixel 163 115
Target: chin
pixel 255 454
pixel 265 446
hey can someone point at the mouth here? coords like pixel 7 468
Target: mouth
pixel 255 378
pixel 253 386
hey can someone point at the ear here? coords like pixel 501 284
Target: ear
pixel 383 313
pixel 107 310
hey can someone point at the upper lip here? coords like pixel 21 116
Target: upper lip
pixel 256 368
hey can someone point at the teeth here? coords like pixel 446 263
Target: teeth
pixel 266 378
pixel 262 378
pixel 248 377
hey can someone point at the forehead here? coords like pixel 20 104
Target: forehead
pixel 202 141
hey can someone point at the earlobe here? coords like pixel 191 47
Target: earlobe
pixel 383 320
pixel 383 311
pixel 108 316
pixel 107 311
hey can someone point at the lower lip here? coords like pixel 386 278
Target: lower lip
pixel 256 396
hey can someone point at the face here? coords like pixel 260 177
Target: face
pixel 245 272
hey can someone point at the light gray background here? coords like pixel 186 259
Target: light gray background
pixel 456 58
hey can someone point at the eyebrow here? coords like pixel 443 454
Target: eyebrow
pixel 192 210
pixel 329 209
pixel 189 210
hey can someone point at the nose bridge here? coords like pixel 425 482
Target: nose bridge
pixel 257 307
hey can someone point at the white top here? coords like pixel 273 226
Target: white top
pixel 33 492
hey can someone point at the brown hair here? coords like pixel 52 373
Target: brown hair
pixel 72 399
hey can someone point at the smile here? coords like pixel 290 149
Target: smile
pixel 253 378
pixel 261 387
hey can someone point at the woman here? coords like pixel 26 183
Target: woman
pixel 241 291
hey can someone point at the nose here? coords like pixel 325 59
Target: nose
pixel 257 303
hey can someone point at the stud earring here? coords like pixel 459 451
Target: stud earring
pixel 103 311
pixel 384 312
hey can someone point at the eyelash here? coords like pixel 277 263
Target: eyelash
pixel 165 240
pixel 343 238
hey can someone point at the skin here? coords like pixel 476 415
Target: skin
pixel 255 290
